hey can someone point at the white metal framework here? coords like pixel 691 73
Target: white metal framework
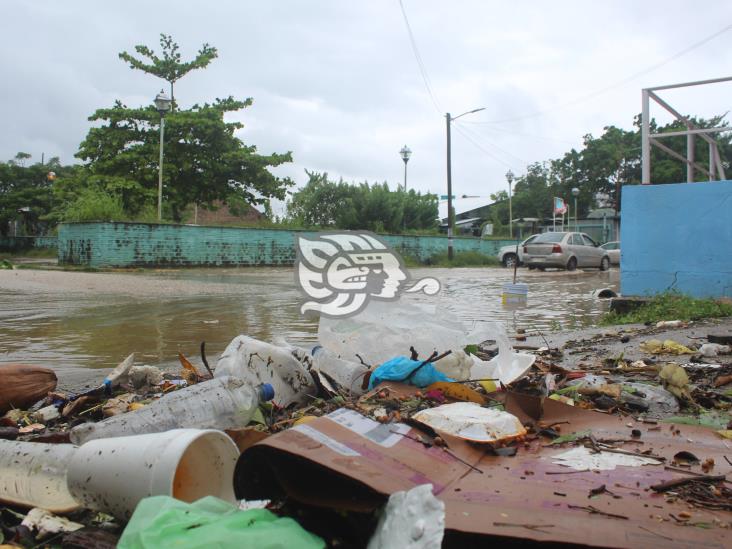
pixel 715 170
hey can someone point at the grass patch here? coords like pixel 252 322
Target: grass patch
pixel 460 259
pixel 670 306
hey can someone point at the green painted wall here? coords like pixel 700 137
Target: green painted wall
pixel 148 245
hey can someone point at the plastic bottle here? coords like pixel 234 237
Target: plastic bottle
pixel 119 375
pixel 220 403
pixel 33 474
pixel 349 375
pixel 259 362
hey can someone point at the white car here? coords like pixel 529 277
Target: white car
pixel 507 254
pixel 565 250
pixel 613 251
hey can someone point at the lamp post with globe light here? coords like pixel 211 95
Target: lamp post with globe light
pixel 575 193
pixel 450 220
pixel 405 153
pixel 162 104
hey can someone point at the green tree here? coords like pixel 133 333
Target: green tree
pixel 204 160
pixel 169 66
pixel 605 164
pixel 329 204
pixel 26 195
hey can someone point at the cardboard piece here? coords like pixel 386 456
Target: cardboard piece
pixel 346 461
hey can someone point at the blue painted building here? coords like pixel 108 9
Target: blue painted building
pixel 677 237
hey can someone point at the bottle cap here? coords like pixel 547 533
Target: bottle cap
pixel 267 392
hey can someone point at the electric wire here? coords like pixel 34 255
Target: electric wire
pixel 418 57
pixel 522 134
pixel 480 147
pixel 482 139
pixel 618 84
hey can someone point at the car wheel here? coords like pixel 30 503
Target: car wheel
pixel 572 264
pixel 605 263
pixel 509 260
pixel 542 269
pixel 532 267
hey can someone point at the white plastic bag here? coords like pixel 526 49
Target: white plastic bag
pixel 385 330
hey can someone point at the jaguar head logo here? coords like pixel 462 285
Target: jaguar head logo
pixel 340 272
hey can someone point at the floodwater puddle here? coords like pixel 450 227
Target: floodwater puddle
pixel 160 313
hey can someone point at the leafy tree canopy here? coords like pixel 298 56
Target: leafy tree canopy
pixel 168 65
pixel 339 205
pixel 26 193
pixel 603 166
pixel 204 160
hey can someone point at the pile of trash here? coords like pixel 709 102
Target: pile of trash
pixel 400 429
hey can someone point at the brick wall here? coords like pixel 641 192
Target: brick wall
pixel 148 245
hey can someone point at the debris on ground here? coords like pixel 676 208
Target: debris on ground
pixel 385 432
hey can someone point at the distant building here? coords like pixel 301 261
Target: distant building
pixel 220 214
pixel 470 213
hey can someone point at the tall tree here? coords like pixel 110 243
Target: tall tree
pixel 204 161
pixel 169 67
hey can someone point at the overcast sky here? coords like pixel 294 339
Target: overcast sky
pixel 337 82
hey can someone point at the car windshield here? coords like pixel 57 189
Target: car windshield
pixel 549 237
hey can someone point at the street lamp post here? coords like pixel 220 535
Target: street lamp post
pixel 406 153
pixel 575 193
pixel 509 178
pixel 162 104
pixel 450 219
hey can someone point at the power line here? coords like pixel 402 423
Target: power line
pixel 418 57
pixel 618 84
pixel 511 132
pixel 477 136
pixel 480 147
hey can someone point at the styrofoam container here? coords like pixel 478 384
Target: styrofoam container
pixel 114 474
pixel 33 474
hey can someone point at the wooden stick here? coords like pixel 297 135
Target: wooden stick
pixel 669 484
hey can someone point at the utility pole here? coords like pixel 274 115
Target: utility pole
pixel 449 190
pixel 450 219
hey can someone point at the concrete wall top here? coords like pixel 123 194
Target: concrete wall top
pixel 113 244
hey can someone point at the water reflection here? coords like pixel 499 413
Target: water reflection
pixel 62 329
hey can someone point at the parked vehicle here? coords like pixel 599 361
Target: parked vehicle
pixel 507 254
pixel 613 251
pixel 565 250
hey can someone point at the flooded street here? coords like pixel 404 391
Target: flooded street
pixel 72 320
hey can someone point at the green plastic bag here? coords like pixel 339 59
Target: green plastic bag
pixel 167 523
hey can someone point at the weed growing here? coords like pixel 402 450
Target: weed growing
pixel 671 306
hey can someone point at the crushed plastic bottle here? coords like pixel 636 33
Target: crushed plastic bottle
pixel 220 403
pixel 258 362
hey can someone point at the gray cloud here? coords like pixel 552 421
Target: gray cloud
pixel 337 83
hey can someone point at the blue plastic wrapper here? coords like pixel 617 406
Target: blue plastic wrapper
pixel 414 372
